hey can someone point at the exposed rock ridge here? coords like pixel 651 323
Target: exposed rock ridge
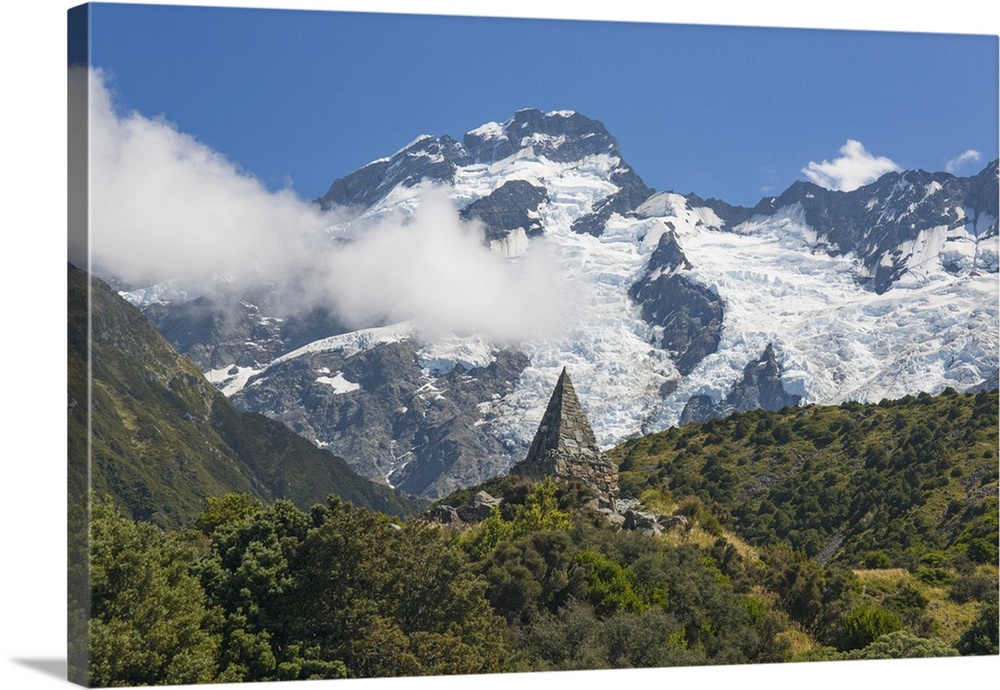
pixel 760 386
pixel 881 222
pixel 512 205
pixel 689 313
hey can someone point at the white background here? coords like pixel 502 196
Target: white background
pixel 32 331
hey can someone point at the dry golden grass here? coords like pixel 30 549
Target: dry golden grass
pixel 658 501
pixel 742 548
pixel 951 617
pixel 701 537
pixel 883 579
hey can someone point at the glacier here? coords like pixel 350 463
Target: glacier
pixel 835 339
pixel 913 314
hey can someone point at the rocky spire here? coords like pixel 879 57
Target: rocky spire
pixel 565 446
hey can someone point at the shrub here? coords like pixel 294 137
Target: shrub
pixel 902 644
pixel 877 559
pixel 973 588
pixel 981 637
pixel 865 624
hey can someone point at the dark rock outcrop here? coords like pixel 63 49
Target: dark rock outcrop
pixel 759 387
pixel 689 313
pixel 512 205
pixel 699 408
pixel 479 507
pixel 631 193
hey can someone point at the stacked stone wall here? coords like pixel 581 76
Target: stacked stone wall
pixel 593 469
pixel 565 446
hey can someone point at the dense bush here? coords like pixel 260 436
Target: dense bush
pixel 272 592
pixel 903 644
pixel 865 624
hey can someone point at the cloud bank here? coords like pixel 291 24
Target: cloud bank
pixel 854 168
pixel 164 206
pixel 970 156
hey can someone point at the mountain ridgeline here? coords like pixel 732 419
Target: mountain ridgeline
pixel 161 439
pixel 695 308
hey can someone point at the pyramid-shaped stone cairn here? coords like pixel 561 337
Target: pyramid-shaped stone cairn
pixel 565 446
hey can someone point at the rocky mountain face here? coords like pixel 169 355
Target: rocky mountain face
pixel 512 206
pixel 687 308
pixel 688 313
pixel 900 221
pixel 423 433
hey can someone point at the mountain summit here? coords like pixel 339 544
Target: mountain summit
pixel 683 308
pixel 562 137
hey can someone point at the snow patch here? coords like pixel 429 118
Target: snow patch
pixel 338 383
pixel 442 356
pixel 231 379
pixel 932 188
pixel 490 130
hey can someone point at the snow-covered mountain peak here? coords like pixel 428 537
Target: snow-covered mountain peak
pixel 530 145
pixel 561 136
pixel 678 307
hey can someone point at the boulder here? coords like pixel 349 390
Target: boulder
pixel 478 507
pixel 635 520
pixel 446 515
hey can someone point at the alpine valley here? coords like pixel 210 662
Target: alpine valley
pixel 684 309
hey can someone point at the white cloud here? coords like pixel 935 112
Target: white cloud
pixel 854 168
pixel 435 268
pixel 970 156
pixel 165 206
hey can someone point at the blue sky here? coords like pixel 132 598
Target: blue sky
pixel 299 98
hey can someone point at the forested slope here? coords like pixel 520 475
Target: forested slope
pixel 880 542
pixel 852 484
pixel 160 439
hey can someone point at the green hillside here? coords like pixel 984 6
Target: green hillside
pixel 163 439
pixel 817 533
pixel 884 484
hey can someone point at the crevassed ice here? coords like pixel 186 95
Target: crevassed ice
pixel 836 340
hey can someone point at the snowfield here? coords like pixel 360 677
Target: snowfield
pixel 834 339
